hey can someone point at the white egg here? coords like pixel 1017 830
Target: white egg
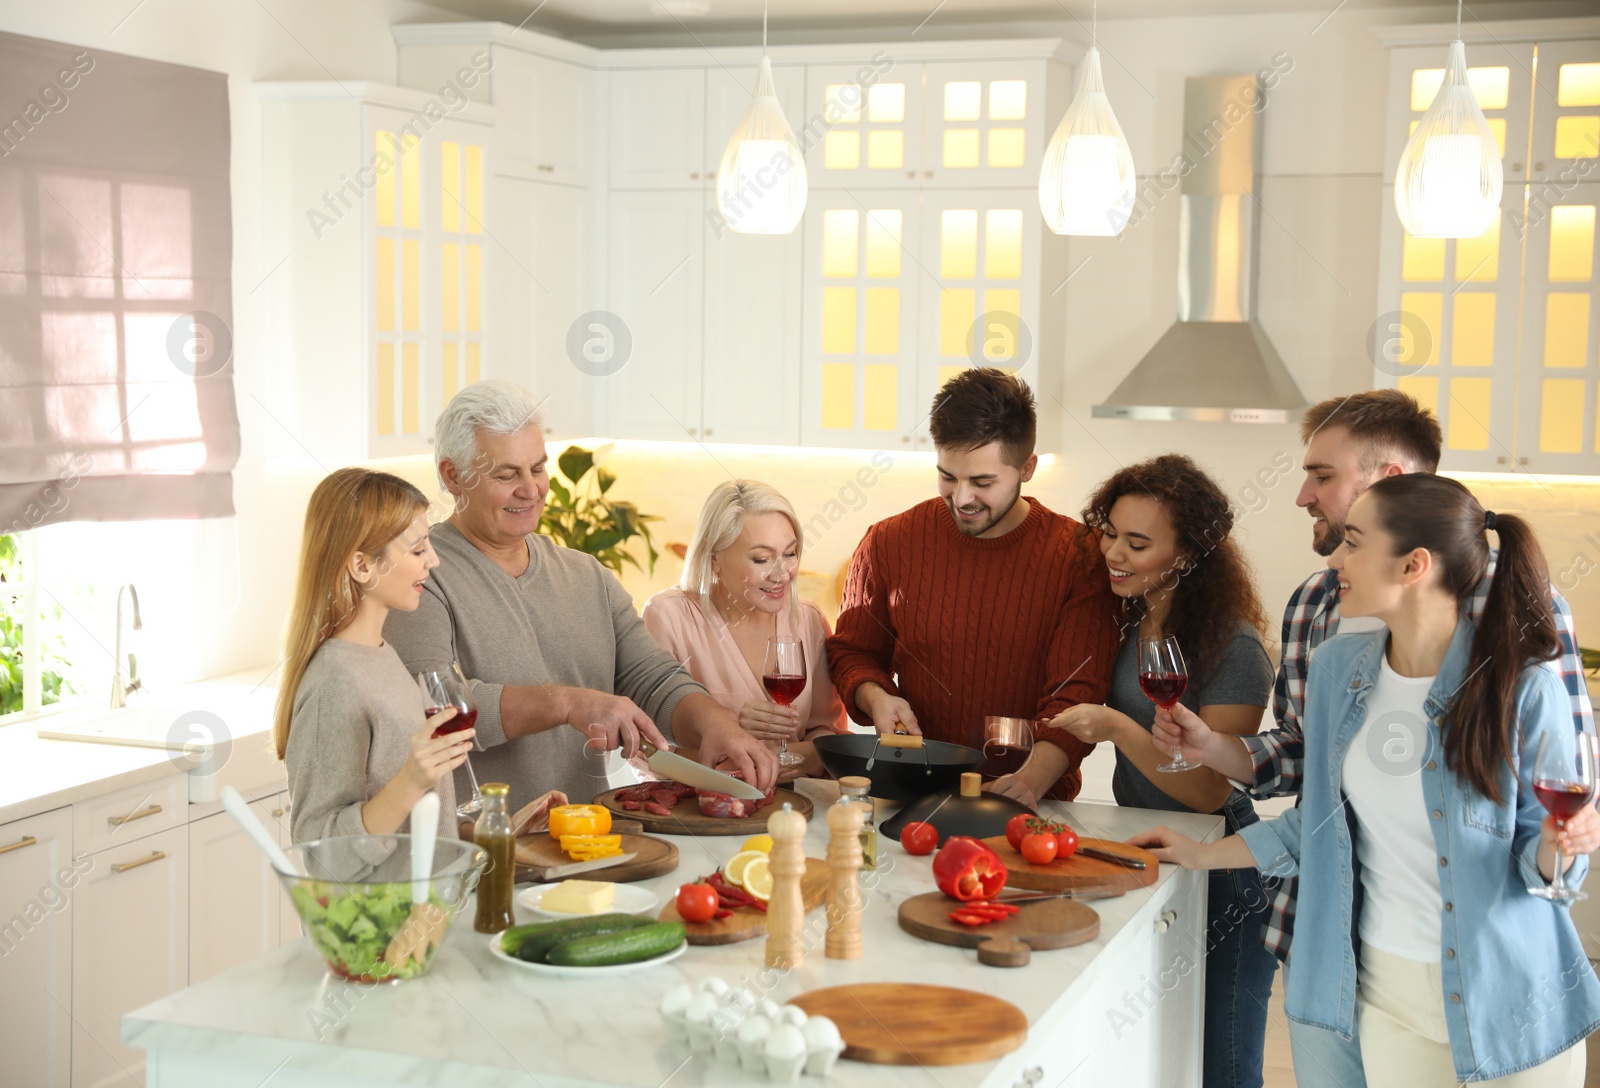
pixel 792 1015
pixel 700 1009
pixel 785 1041
pixel 754 1029
pixel 768 1008
pixel 675 1000
pixel 820 1032
pixel 713 986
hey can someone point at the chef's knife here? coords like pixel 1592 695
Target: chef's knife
pixel 682 769
pixel 557 872
pixel 1070 893
pixel 1111 855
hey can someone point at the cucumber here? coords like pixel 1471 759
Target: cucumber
pixel 627 946
pixel 531 942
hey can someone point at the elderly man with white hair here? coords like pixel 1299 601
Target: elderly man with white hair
pixel 559 662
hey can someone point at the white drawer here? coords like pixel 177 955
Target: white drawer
pixel 130 814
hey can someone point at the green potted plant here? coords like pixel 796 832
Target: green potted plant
pixel 578 515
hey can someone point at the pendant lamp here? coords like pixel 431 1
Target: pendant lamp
pixel 1087 184
pixel 1450 176
pixel 761 184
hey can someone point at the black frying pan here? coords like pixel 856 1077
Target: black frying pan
pixel 898 774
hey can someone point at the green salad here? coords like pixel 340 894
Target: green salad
pixel 353 925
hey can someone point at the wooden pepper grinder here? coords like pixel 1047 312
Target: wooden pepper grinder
pixel 786 914
pixel 844 885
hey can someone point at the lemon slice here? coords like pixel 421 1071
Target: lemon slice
pixel 758 878
pixel 737 866
pixel 762 843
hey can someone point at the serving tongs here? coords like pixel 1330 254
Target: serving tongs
pixel 899 739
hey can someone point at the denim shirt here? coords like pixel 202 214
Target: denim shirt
pixel 1518 988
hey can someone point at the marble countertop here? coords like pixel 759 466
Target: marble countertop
pixel 474 1020
pixel 39 774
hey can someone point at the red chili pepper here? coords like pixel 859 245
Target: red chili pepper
pixel 966 869
pixel 968 919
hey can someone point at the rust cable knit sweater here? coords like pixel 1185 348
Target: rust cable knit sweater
pixel 1017 626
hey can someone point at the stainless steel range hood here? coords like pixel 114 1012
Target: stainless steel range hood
pixel 1215 364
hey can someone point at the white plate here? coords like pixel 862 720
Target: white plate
pixel 630 900
pixel 582 972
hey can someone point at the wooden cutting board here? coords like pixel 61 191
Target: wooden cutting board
pixel 657 857
pixel 1077 871
pixel 748 923
pixel 1054 923
pixel 687 819
pixel 902 1023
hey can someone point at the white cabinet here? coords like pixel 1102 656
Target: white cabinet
pixel 235 900
pixel 564 121
pixel 656 128
pixel 289 928
pixel 750 387
pixel 655 288
pixel 39 881
pixel 130 946
pixel 1498 334
pixel 870 130
pixel 558 293
pixel 378 198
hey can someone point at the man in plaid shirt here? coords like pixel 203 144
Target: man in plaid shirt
pixel 1351 443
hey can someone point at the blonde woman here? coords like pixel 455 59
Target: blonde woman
pixel 350 722
pixel 738 591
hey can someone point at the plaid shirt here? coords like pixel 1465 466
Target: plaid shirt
pixel 1311 619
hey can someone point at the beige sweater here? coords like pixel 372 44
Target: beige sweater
pixel 354 714
pixel 564 620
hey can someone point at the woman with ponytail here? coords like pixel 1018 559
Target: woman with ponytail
pixel 350 722
pixel 1419 837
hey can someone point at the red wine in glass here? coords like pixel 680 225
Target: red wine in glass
pixel 447 687
pixel 784 689
pixel 784 677
pixel 1164 689
pixel 1564 782
pixel 1563 800
pixel 1164 678
pixel 1003 759
pixel 464 719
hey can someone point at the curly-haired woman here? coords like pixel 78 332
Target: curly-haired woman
pixel 1164 534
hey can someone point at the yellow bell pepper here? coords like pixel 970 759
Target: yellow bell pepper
pixel 590 847
pixel 579 820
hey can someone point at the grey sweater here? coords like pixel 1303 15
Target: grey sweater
pixel 354 714
pixel 565 620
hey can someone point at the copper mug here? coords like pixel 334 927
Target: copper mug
pixel 1007 743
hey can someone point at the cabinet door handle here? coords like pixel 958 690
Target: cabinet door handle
pixel 546 168
pixel 122 867
pixel 695 176
pixel 708 432
pixel 26 840
pixel 118 821
pixel 1164 923
pixel 277 812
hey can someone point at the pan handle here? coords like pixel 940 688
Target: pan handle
pixel 900 740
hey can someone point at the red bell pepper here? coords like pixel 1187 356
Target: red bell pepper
pixel 967 869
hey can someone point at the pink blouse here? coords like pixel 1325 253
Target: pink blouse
pixel 707 649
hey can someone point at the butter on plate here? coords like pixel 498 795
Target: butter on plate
pixel 579 897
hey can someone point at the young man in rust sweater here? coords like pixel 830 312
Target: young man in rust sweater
pixel 981 601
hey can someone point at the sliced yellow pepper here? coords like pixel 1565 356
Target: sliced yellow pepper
pixel 591 847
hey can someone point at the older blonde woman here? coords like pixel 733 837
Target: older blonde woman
pixel 737 592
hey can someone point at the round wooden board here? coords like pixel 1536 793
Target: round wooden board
pixel 657 857
pixel 1054 923
pixel 1077 871
pixel 747 923
pixel 902 1023
pixel 687 819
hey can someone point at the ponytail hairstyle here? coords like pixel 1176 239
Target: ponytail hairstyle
pixel 352 510
pixel 1517 628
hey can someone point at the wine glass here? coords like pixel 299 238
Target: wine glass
pixel 1164 678
pixel 1007 743
pixel 1563 780
pixel 784 677
pixel 446 687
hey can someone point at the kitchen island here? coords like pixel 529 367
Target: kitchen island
pixel 1122 1009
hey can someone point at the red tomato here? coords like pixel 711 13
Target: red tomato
pixel 1016 828
pixel 1066 842
pixel 697 902
pixel 1039 847
pixel 919 838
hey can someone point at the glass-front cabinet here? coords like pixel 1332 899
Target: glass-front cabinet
pixel 1498 333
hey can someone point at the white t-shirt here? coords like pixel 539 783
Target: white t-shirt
pixel 1402 911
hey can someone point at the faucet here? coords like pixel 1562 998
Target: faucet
pixel 120 690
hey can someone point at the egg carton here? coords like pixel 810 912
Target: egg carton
pixel 761 1037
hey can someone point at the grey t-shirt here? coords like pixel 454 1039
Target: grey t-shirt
pixel 355 712
pixel 1242 674
pixel 565 620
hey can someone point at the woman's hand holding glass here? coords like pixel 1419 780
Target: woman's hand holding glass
pixel 1179 732
pixel 770 721
pixel 432 757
